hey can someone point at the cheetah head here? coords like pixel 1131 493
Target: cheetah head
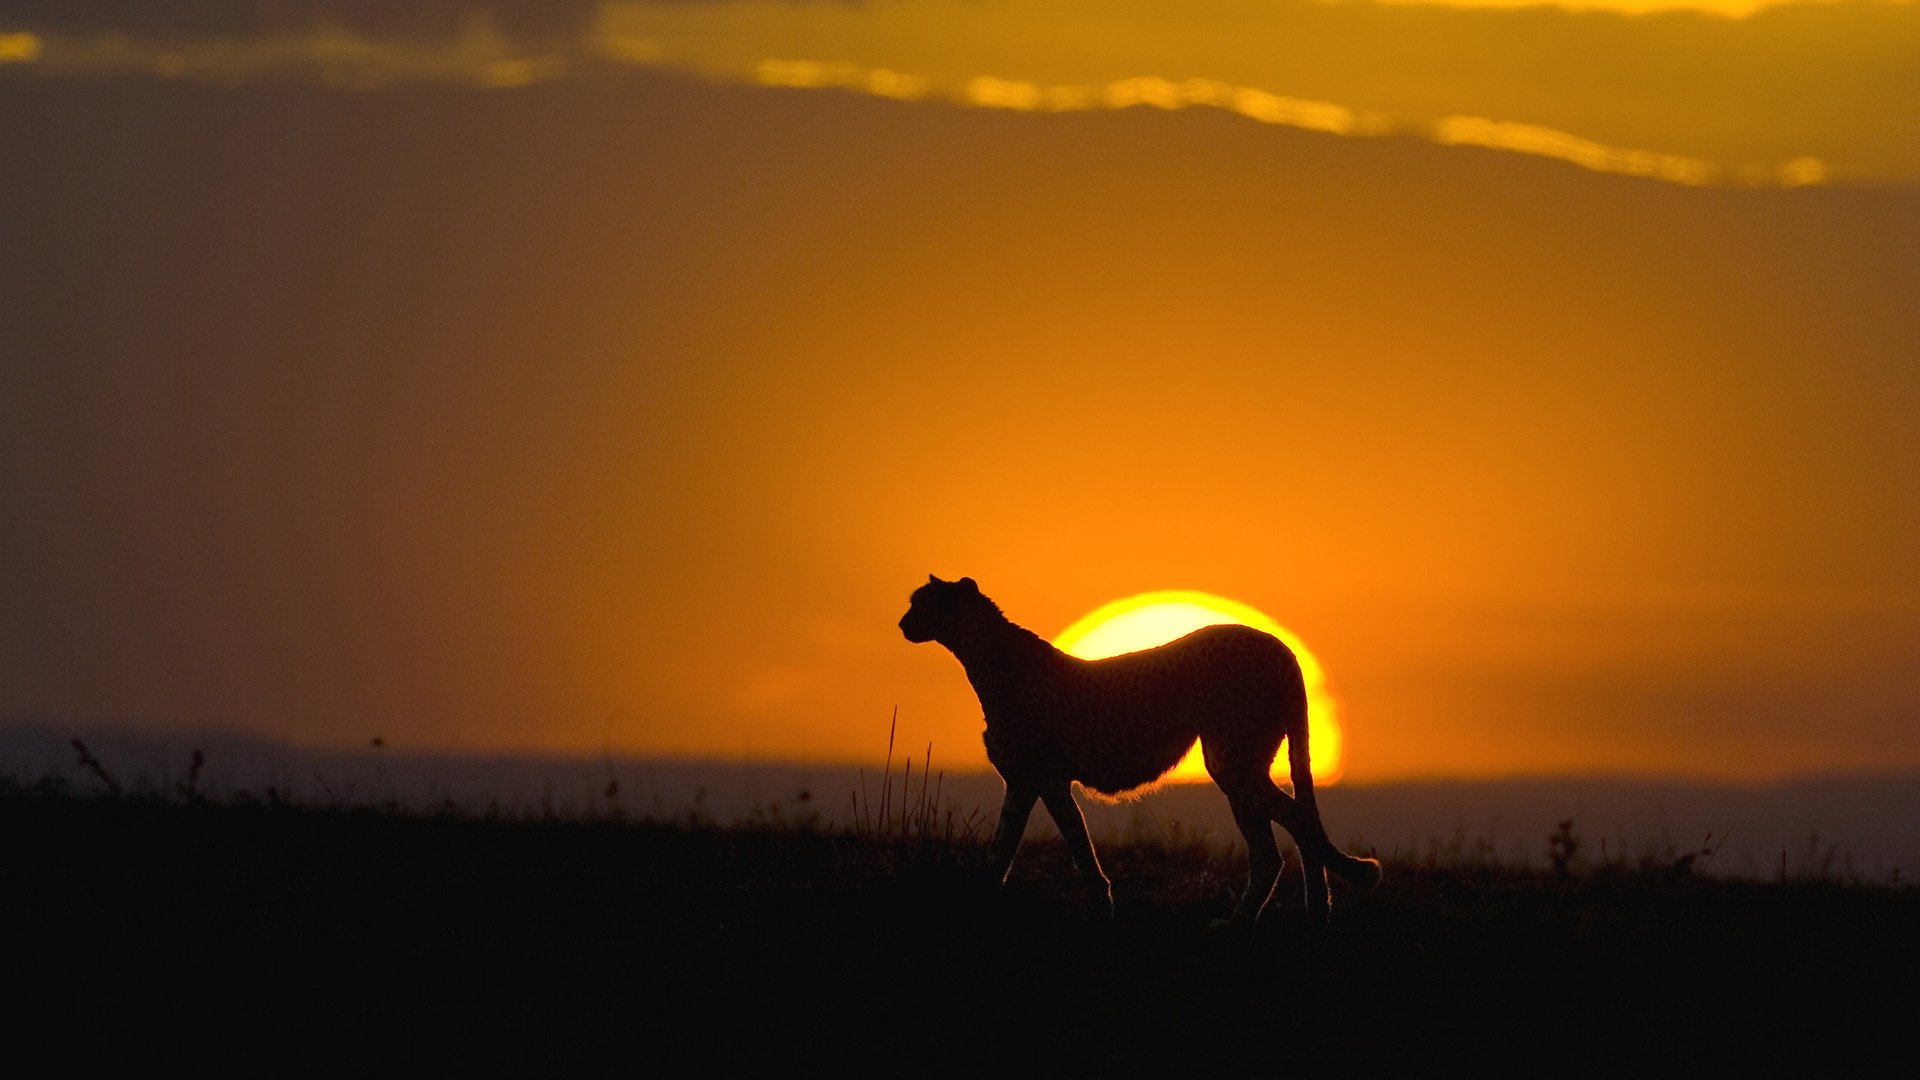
pixel 938 610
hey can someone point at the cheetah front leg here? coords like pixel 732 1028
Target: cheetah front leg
pixel 1013 825
pixel 1073 829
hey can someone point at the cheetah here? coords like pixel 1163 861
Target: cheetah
pixel 1120 723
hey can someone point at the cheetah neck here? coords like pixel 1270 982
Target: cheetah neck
pixel 1003 661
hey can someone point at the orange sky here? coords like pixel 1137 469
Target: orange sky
pixel 622 405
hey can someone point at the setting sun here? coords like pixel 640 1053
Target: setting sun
pixel 1155 618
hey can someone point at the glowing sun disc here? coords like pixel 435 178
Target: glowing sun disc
pixel 1155 618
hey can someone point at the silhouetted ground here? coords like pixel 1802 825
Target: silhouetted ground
pixel 281 939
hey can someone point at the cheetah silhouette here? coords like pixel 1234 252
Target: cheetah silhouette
pixel 1120 723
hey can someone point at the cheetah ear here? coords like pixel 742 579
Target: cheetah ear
pixel 931 580
pixel 970 585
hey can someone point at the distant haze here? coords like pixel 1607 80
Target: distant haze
pixel 1855 827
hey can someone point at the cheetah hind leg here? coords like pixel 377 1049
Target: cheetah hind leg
pixel 1263 866
pixel 1317 853
pixel 1313 869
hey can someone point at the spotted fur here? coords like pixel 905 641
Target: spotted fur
pixel 1117 724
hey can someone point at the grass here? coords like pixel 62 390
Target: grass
pixel 251 932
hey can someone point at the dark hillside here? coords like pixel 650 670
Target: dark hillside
pixel 286 940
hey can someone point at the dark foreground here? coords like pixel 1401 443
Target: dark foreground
pixel 278 940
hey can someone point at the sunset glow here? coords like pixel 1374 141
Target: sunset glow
pixel 599 378
pixel 1155 618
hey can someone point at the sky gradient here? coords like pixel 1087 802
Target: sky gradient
pixel 618 400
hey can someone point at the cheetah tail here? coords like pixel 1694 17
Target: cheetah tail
pixel 1300 761
pixel 1357 871
pixel 1361 873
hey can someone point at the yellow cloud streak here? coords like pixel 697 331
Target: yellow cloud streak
pixel 808 74
pixel 1732 9
pixel 989 92
pixel 1546 142
pixel 480 56
pixel 1249 102
pixel 1268 108
pixel 20 48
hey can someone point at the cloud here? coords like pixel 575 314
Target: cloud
pixel 1656 94
pixel 812 74
pixel 1789 96
pixel 1546 142
pixel 985 91
pixel 479 56
pixel 19 48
